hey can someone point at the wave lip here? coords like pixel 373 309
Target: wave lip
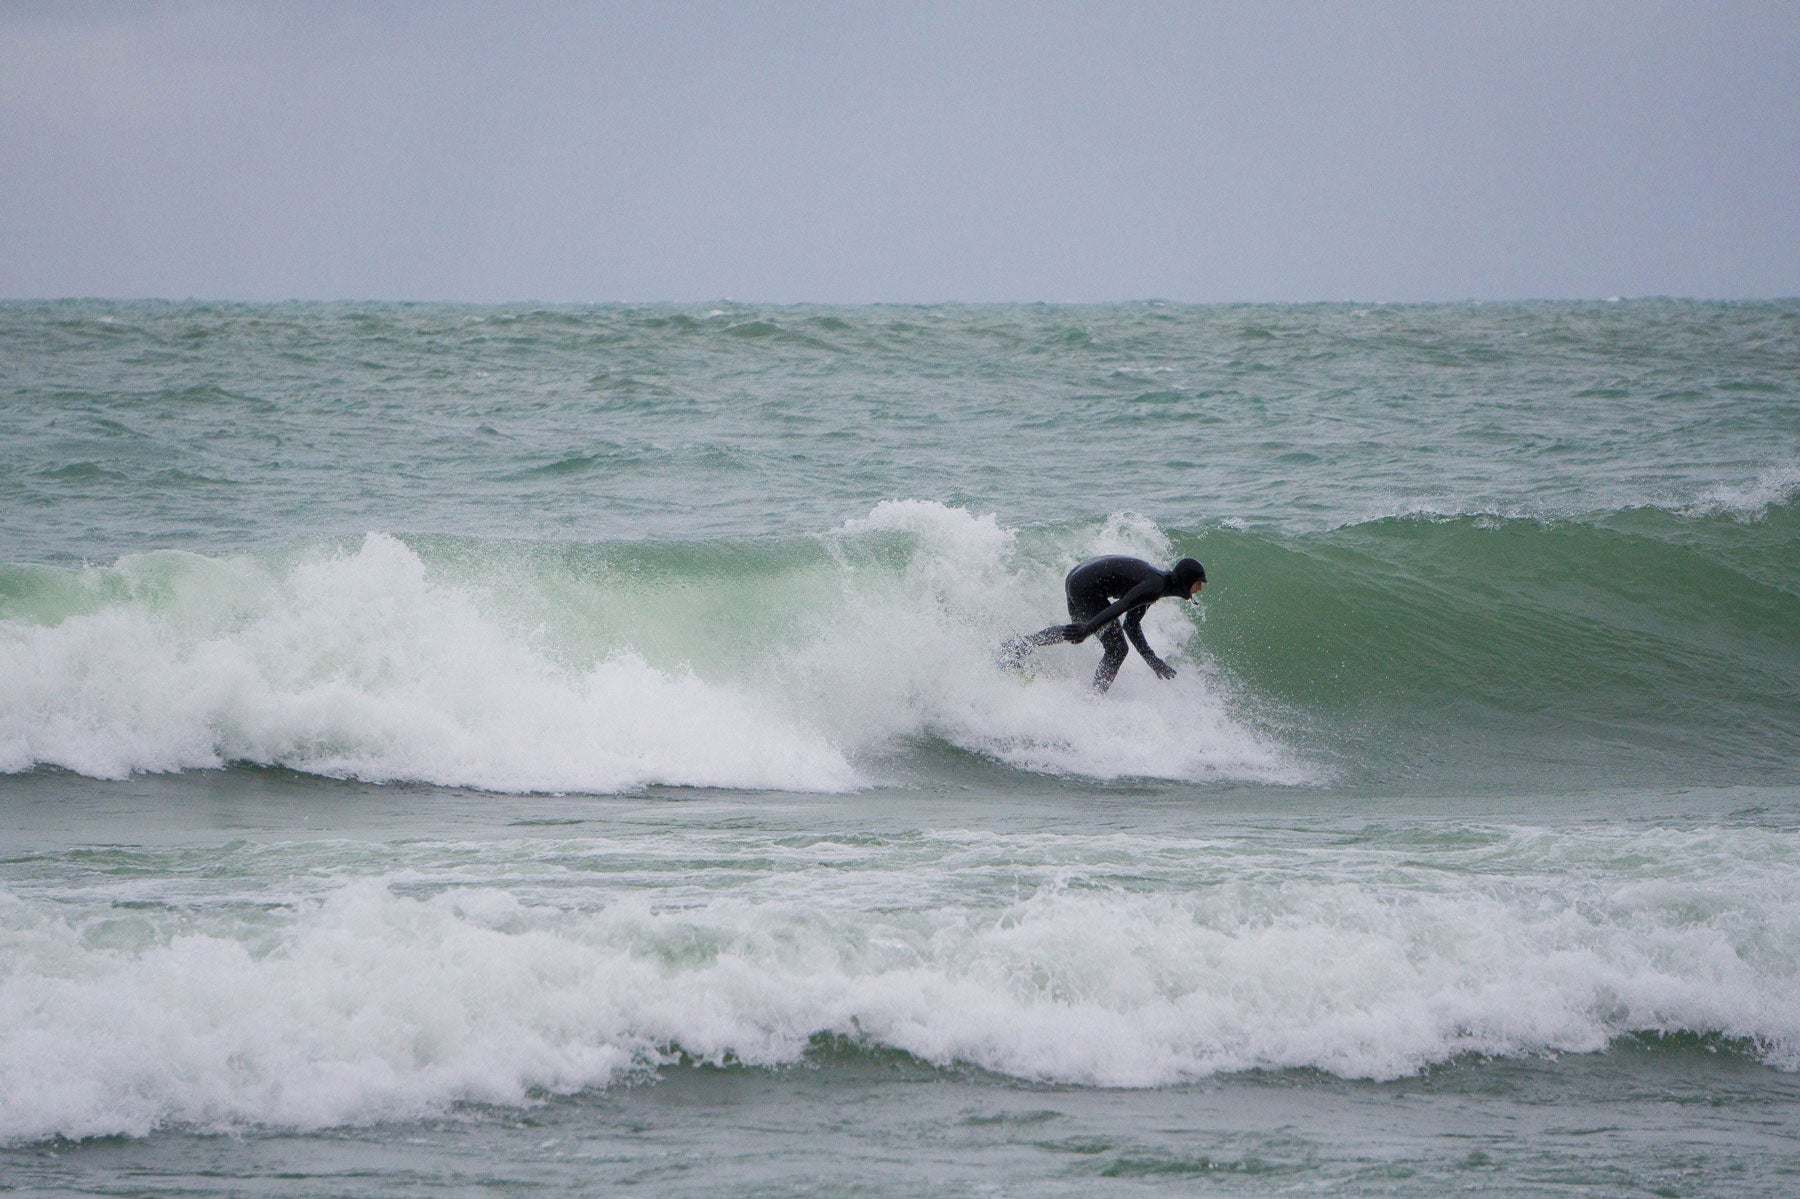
pixel 1773 488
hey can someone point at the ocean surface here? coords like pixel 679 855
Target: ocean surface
pixel 498 750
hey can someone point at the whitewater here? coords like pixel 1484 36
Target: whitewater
pixel 452 749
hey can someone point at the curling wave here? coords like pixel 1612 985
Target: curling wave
pixel 525 667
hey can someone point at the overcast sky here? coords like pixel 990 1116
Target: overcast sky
pixel 900 151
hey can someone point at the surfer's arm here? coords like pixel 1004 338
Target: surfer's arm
pixel 1134 632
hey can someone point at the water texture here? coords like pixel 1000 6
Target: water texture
pixel 461 749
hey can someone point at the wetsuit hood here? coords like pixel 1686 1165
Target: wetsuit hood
pixel 1187 572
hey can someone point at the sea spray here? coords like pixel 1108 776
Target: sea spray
pixel 921 643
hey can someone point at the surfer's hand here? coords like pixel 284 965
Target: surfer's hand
pixel 1163 669
pixel 1073 635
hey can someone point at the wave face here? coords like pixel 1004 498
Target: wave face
pixel 315 985
pixel 1645 645
pixel 1640 645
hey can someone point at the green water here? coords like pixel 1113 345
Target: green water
pixel 463 750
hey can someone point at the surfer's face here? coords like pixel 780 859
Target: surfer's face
pixel 1195 589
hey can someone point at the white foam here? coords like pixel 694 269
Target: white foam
pixel 360 665
pixel 914 655
pixel 367 1004
pixel 369 664
pixel 1750 501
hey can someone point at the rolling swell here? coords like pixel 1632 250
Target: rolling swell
pixel 1446 651
pixel 1642 639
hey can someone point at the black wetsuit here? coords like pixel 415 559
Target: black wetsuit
pixel 1101 591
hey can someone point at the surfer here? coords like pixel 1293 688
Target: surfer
pixel 1100 591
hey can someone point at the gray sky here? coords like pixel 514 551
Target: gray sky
pixel 902 151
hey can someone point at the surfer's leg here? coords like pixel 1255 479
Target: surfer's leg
pixel 1015 650
pixel 1114 642
pixel 1085 603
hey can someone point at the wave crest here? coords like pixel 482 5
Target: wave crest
pixel 530 668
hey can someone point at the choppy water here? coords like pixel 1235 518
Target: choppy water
pixel 472 748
